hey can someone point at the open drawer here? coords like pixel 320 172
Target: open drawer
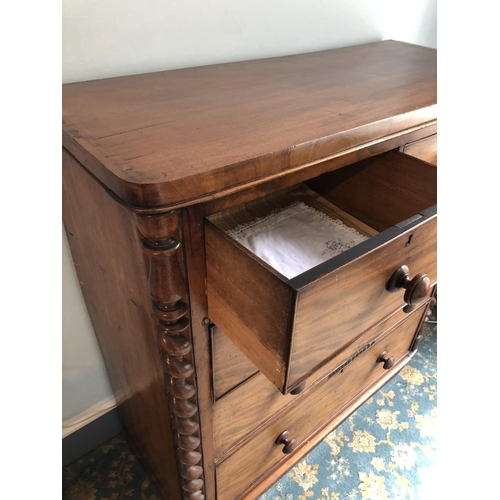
pixel 289 327
pixel 424 149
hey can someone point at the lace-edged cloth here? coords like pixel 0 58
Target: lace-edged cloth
pixel 297 238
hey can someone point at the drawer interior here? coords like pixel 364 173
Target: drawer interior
pixel 267 228
pixel 368 197
pixel 425 149
pixel 289 326
pixel 381 191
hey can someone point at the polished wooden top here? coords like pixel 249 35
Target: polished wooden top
pixel 177 137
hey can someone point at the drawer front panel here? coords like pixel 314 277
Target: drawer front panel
pixel 332 311
pixel 256 401
pixel 259 455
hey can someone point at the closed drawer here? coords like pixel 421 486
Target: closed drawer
pixel 318 409
pixel 289 328
pixel 241 413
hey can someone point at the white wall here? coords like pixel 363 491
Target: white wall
pixel 85 382
pixel 104 38
pixel 117 37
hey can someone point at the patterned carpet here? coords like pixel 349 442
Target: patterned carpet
pixel 384 451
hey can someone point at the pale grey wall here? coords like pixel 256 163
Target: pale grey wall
pixel 103 38
pixel 118 37
pixel 85 382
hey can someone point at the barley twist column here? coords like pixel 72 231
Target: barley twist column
pixel 161 242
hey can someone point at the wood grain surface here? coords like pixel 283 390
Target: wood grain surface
pixel 288 328
pixel 194 255
pixel 381 191
pixel 230 366
pixel 295 175
pixel 108 259
pixel 261 454
pixel 168 137
pixel 162 246
pixel 254 404
pixel 251 304
pixel 330 312
pixel 147 158
pixel 424 149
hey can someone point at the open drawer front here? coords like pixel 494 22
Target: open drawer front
pixel 289 327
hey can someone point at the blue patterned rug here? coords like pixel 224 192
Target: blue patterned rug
pixel 385 451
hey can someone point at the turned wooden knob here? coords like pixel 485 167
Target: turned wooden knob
pixel 388 361
pixel 417 288
pixel 290 444
pixel 298 389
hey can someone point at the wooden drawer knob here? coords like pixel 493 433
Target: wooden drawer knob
pixel 298 389
pixel 417 289
pixel 290 444
pixel 388 361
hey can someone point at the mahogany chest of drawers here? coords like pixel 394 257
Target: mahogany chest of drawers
pixel 226 372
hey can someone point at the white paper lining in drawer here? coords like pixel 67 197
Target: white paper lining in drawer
pixel 297 238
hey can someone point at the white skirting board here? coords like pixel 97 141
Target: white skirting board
pixel 89 430
pixel 84 418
